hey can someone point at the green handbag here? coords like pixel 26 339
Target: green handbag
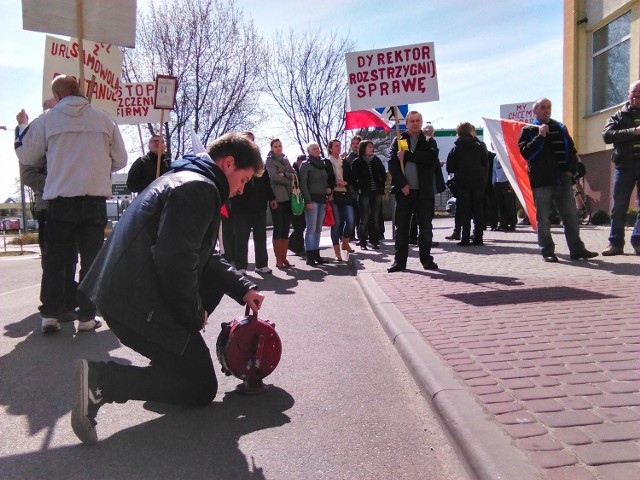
pixel 297 201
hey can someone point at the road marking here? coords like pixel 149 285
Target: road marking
pixel 19 289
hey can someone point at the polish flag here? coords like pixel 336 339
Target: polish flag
pixel 379 118
pixel 504 135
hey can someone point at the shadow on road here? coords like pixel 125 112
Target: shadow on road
pixel 183 443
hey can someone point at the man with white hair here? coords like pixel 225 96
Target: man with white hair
pixel 83 146
pixel 623 130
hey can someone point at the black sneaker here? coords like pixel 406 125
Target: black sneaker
pixel 430 265
pixel 88 399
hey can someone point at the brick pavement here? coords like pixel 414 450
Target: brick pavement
pixel 551 352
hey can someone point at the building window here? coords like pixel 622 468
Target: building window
pixel 611 55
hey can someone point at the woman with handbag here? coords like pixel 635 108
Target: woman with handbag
pixel 314 183
pixel 281 174
pixel 342 199
pixel 370 177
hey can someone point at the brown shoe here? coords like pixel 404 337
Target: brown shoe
pixel 610 251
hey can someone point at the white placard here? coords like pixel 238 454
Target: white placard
pixel 392 76
pixel 135 104
pixel 102 60
pixel 521 112
pixel 112 21
pixel 166 88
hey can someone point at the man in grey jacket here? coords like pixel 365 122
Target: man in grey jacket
pixel 83 146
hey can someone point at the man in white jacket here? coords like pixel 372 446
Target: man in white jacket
pixel 81 146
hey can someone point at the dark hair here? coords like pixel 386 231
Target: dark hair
pixel 362 148
pixel 465 128
pixel 245 153
pixel 274 141
pixel 356 137
pixel 301 157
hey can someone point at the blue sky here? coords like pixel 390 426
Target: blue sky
pixel 487 53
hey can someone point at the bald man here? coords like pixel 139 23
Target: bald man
pixel 552 158
pixel 83 146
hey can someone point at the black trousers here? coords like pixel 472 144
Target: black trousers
pixel 423 209
pixel 469 204
pixel 73 224
pixel 243 224
pixel 187 379
pixel 506 200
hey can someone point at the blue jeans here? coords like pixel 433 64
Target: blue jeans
pixel 369 227
pixel 562 196
pixel 344 222
pixel 71 222
pixel 624 181
pixel 314 217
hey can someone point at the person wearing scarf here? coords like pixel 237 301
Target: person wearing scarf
pixel 281 175
pixel 341 200
pixel 314 183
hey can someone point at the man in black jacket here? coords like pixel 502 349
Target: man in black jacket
pixel 413 183
pixel 157 279
pixel 623 130
pixel 144 169
pixel 551 158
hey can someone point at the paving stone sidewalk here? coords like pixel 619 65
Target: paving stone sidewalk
pixel 549 352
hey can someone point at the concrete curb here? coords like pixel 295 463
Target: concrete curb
pixel 488 450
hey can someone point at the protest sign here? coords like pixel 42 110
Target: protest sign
pixel 100 59
pixel 135 104
pixel 520 112
pixel 392 76
pixel 112 22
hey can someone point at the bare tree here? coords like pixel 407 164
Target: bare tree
pixel 306 77
pixel 217 57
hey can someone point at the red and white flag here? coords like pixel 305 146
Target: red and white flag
pixel 365 119
pixel 504 135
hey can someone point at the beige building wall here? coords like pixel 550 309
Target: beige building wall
pixel 581 19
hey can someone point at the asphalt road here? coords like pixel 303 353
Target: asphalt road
pixel 341 404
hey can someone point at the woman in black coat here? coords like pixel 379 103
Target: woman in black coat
pixel 370 177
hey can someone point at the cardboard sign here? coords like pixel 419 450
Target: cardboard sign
pixel 392 76
pixel 100 59
pixel 521 112
pixel 135 104
pixel 112 22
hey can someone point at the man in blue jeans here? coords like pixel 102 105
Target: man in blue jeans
pixel 623 130
pixel 81 146
pixel 551 158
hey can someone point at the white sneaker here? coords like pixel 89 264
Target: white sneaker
pixel 242 271
pixel 263 270
pixel 89 325
pixel 50 324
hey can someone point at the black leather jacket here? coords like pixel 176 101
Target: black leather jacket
pixel 425 156
pixel 619 131
pixel 157 272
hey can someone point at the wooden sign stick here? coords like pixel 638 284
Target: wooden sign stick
pixel 395 116
pixel 161 146
pixel 80 23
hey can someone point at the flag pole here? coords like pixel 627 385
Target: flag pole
pixel 395 117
